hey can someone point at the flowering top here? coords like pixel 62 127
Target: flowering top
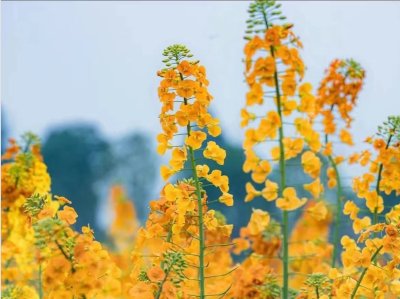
pixel 180 220
pixel 339 89
pixel 187 80
pixel 269 47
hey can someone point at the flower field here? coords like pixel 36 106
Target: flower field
pixel 185 250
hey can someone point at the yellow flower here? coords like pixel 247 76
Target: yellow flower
pixel 289 87
pixel 255 95
pixel 261 172
pixel 200 74
pixel 338 159
pixel 291 148
pixel 226 230
pixel 251 139
pixel 307 104
pixel 333 273
pixel 227 199
pixel 62 200
pixel 219 180
pixel 179 157
pixel 251 192
pixel 214 152
pixel 204 120
pixel 374 201
pixel 202 170
pixel 345 136
pixel 68 215
pixel 360 224
pixel 155 274
pixel 347 243
pixel 246 117
pixel 166 173
pixel 195 139
pixel 170 78
pixel 209 220
pixel 362 258
pixel 319 211
pixel 186 88
pixel 315 188
pixel 185 115
pixel 290 200
pixel 351 209
pixel 328 149
pixel 270 192
pixel 164 144
pixel 170 192
pixel 288 106
pixel 264 67
pixel 268 126
pixel 258 222
pixel 331 173
pixel 186 68
pixel 311 164
pixel 251 161
pixel 213 128
pixel 312 140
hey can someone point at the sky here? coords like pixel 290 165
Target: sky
pixel 67 62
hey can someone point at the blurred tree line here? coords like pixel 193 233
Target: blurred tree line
pixel 83 164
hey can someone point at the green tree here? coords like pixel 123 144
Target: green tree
pixel 77 157
pixel 135 168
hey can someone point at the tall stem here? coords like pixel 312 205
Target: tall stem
pixel 338 205
pixel 164 280
pixel 168 240
pixel 200 211
pixel 338 211
pixel 283 177
pixel 377 190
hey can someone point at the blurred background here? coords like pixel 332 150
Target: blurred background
pixel 82 75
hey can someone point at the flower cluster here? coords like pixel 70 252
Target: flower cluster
pixel 295 246
pixel 37 240
pixel 175 236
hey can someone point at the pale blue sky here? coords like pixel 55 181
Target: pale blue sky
pixel 97 61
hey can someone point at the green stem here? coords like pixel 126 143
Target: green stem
pixel 338 211
pixel 168 240
pixel 363 274
pixel 200 210
pixel 163 281
pixel 283 178
pixel 317 292
pixel 338 205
